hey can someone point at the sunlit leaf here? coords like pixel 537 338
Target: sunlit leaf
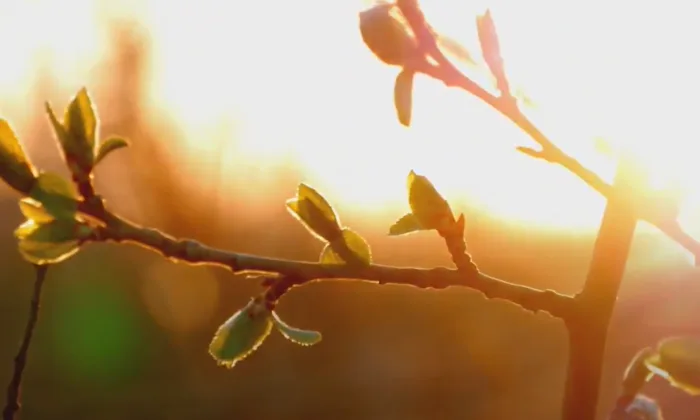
pixel 33 210
pixel 80 122
pixel 336 252
pixel 296 335
pixel 430 209
pixel 315 213
pixel 50 242
pixel 108 146
pixel 491 50
pixel 456 50
pixel 241 334
pixel 15 168
pixel 637 373
pixel 678 360
pixel 385 35
pixel 403 96
pixel 408 223
pixel 58 195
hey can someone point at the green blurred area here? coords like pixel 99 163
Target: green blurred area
pixel 124 333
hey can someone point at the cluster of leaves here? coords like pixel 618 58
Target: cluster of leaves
pixel 246 330
pixel 55 229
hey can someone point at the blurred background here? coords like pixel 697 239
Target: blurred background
pixel 229 105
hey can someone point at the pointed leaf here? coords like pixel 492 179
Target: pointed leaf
pixel 296 335
pixel 403 96
pixel 315 213
pixel 33 210
pixel 431 210
pixel 350 248
pixel 108 146
pixel 491 50
pixel 408 223
pixel 80 122
pixel 241 334
pixel 15 168
pixel 385 35
pixel 58 195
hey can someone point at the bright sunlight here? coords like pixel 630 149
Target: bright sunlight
pixel 297 82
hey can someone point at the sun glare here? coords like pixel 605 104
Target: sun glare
pixel 296 80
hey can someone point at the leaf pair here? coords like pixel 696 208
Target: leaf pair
pixel 429 210
pixel 53 231
pixel 78 134
pixel 343 245
pixel 246 330
pixel 676 359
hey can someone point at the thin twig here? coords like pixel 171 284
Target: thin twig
pixel 118 229
pixel 12 404
pixel 448 74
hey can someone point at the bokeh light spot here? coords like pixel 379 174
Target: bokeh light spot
pixel 181 298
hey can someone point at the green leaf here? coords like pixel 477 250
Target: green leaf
pixel 15 168
pixel 385 35
pixel 33 210
pixel 241 334
pixel 80 122
pixel 108 146
pixel 403 96
pixel 678 360
pixel 58 195
pixel 315 213
pixel 431 210
pixel 349 248
pixel 296 335
pixel 48 243
pixel 408 223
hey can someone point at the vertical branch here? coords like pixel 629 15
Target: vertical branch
pixel 12 404
pixel 588 327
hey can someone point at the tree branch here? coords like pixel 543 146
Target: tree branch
pixel 448 74
pixel 12 403
pixel 120 230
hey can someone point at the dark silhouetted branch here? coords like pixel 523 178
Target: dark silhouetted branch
pixel 12 403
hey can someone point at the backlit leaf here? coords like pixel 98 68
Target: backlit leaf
pixel 348 249
pixel 403 96
pixel 637 373
pixel 296 335
pixel 431 210
pixel 15 168
pixel 48 243
pixel 312 209
pixel 241 334
pixel 408 223
pixel 58 195
pixel 108 146
pixel 33 210
pixel 385 35
pixel 491 50
pixel 80 122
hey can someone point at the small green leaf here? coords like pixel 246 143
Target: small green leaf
pixel 58 195
pixel 15 168
pixel 241 334
pixel 408 223
pixel 33 210
pixel 315 213
pixel 385 35
pixel 350 248
pixel 403 96
pixel 48 243
pixel 296 335
pixel 108 146
pixel 80 123
pixel 678 360
pixel 431 210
